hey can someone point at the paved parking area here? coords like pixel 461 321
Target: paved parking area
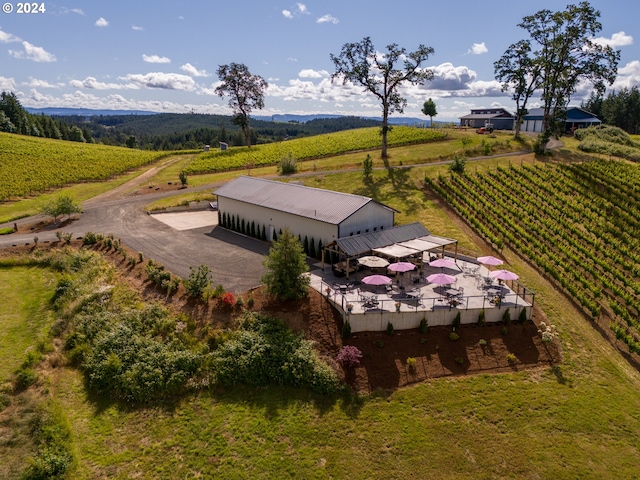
pixel 188 220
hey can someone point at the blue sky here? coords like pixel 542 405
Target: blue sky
pixel 162 55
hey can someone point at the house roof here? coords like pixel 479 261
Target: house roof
pixel 585 116
pixel 480 116
pixel 402 235
pixel 322 205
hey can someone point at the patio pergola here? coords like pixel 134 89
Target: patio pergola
pixel 396 243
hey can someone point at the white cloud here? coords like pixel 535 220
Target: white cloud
pixel 478 49
pixel 628 76
pixel 448 77
pixel 136 28
pixel 301 9
pixel 168 81
pixel 310 73
pixel 31 52
pixel 77 11
pixel 327 19
pixel 155 59
pixel 292 59
pixel 8 37
pixel 93 84
pixel 193 71
pixel 101 22
pixel 7 84
pixel 619 39
pixel 38 83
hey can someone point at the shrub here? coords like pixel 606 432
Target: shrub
pixel 229 299
pixel 89 239
pixel 506 317
pixel 482 342
pixel 453 336
pixel 349 356
pixel 522 318
pixel 287 165
pixel 511 358
pixel 456 321
pixel 379 343
pixel 367 169
pixel 389 328
pixel 346 329
pixel 411 363
pixel 250 302
pixel 459 360
pixel 6 231
pixel 503 330
pixel 482 319
pixel 458 165
pixel 264 351
pixel 198 282
pixel 424 326
pixel 548 332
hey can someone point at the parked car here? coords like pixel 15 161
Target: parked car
pixel 488 128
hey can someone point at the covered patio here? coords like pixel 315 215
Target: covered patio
pixel 406 242
pixel 404 301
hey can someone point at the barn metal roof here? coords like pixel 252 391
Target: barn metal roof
pixel 322 205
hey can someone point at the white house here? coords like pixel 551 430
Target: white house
pixel 318 214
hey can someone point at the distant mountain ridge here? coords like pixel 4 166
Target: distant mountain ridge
pixel 284 117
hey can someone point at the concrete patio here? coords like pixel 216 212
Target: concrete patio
pixel 411 297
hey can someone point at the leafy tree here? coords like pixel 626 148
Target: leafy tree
pixel 429 109
pixel 245 91
pixel 5 123
pixel 286 268
pixel 367 169
pixel 518 72
pixel 619 108
pixel 131 142
pixel 63 204
pixel 361 64
pixel 565 53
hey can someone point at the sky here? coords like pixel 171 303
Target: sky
pixel 162 55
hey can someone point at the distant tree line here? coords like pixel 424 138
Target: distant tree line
pixel 619 108
pixel 15 119
pixel 165 131
pixel 174 131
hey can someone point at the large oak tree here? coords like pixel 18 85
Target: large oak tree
pixel 563 53
pixel 245 92
pixel 382 74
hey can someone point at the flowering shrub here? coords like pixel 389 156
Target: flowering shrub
pixel 229 299
pixel 548 332
pixel 349 356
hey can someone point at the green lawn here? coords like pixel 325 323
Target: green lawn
pixel 24 313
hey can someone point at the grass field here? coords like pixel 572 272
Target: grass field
pixel 579 419
pixel 24 313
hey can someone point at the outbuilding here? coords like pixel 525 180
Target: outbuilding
pixel 499 118
pixel 322 216
pixel 576 118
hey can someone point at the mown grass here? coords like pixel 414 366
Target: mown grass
pixel 24 313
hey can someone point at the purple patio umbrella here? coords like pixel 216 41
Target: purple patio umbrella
pixel 490 260
pixel 504 275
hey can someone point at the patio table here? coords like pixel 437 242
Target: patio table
pixel 452 292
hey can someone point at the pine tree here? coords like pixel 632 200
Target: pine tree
pixel 286 268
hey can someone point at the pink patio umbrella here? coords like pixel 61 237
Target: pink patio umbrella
pixel 442 263
pixel 376 280
pixel 441 279
pixel 504 275
pixel 401 267
pixel 490 260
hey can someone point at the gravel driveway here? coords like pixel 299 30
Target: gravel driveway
pixel 235 261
